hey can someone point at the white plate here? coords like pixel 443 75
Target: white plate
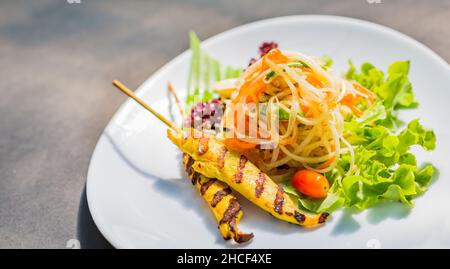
pixel 139 197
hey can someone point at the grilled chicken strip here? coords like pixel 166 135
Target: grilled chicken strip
pixel 221 201
pixel 213 160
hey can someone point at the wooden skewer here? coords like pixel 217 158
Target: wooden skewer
pixel 128 92
pixel 177 100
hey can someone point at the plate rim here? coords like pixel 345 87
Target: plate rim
pixel 211 40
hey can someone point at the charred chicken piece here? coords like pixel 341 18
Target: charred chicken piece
pixel 212 159
pixel 226 208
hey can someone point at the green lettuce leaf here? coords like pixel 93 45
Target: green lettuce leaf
pixel 328 204
pixel 416 134
pixel 327 62
pixel 395 91
pixel 386 170
pixel 203 72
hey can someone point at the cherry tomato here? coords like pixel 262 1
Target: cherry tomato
pixel 311 183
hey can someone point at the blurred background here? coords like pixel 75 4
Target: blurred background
pixel 58 58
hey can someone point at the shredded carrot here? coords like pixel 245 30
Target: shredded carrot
pixel 304 107
pixel 350 101
pixel 252 69
pixel 314 80
pixel 356 110
pixel 236 144
pixel 326 164
pixel 238 116
pixel 254 85
pixel 252 89
pixel 276 56
pixel 364 90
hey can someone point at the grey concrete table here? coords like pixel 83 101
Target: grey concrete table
pixel 57 61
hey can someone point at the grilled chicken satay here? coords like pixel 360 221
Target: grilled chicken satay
pixel 221 201
pixel 225 206
pixel 213 160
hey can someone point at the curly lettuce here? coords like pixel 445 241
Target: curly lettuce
pixel 386 168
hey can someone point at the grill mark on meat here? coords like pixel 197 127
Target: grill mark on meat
pixel 260 181
pixel 203 145
pixel 219 195
pixel 279 201
pixel 232 224
pixel 189 168
pixel 205 185
pixel 323 217
pixel 221 158
pixel 230 217
pixel 299 217
pixel 240 170
pixel 195 178
pixel 231 213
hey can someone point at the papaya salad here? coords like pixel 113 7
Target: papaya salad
pixel 298 139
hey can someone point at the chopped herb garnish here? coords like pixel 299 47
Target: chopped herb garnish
pixel 298 64
pixel 270 75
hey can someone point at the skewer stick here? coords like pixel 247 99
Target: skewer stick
pixel 177 100
pixel 128 92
